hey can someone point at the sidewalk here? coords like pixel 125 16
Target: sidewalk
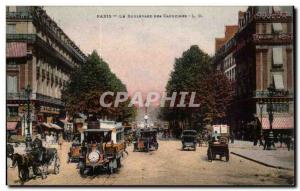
pixel 280 158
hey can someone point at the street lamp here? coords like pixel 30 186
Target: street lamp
pixel 28 91
pixel 270 139
pixel 261 105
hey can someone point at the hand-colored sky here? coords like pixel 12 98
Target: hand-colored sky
pixel 142 51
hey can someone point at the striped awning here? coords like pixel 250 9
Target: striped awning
pixel 16 49
pixel 278 122
pixel 10 126
pixel 52 126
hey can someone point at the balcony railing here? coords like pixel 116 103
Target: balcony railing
pixel 49 99
pixel 34 96
pixel 273 38
pixel 21 37
pixel 264 94
pixel 18 15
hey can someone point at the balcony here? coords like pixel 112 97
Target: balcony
pixel 34 96
pixel 49 99
pixel 282 38
pixel 265 94
pixel 18 15
pixel 273 17
pixel 21 37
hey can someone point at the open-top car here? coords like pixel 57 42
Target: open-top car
pixel 218 143
pixel 99 152
pixel 189 139
pixel 145 140
pixel 74 153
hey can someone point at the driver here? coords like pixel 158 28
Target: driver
pixel 215 136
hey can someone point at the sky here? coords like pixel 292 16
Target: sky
pixel 142 51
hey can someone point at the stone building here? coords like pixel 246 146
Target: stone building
pixel 41 55
pixel 261 54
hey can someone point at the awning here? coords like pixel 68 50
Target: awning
pixel 278 81
pixel 10 126
pixel 277 27
pixel 278 122
pixel 52 126
pixel 277 56
pixel 63 121
pixel 16 49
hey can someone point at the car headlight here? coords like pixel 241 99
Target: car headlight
pixel 94 156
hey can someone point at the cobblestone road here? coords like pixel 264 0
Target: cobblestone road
pixel 168 166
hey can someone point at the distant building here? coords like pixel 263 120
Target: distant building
pixel 260 54
pixel 39 54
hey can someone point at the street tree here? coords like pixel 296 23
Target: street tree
pixel 87 83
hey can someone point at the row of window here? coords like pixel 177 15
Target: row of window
pixel 231 74
pixel 230 61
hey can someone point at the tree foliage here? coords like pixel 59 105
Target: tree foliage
pixel 193 73
pixel 86 85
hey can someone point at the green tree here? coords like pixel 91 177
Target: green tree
pixel 86 85
pixel 194 73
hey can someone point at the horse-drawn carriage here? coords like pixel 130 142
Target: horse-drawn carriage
pixel 218 144
pixel 36 162
pixel 102 149
pixel 145 140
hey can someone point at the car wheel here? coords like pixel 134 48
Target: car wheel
pixel 227 157
pixel 119 165
pixel 56 166
pixel 209 154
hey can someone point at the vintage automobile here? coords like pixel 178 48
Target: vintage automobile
pixel 102 149
pixel 75 150
pixel 218 143
pixel 189 139
pixel 145 140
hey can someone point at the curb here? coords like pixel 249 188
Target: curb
pixel 262 163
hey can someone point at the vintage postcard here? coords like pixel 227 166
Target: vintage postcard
pixel 150 96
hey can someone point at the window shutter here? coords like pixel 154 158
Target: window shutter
pixel 277 27
pixel 278 81
pixel 277 56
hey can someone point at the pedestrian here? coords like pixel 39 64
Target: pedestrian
pixel 261 140
pixel 47 139
pixel 280 139
pixel 288 142
pixel 232 137
pixel 266 140
pixel 51 138
pixel 60 141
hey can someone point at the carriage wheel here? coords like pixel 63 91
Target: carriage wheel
pixel 44 171
pixel 56 166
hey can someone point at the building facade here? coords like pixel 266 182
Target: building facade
pixel 260 56
pixel 39 55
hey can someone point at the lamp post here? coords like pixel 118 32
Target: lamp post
pixel 270 139
pixel 261 105
pixel 146 120
pixel 28 135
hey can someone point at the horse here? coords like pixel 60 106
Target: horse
pixel 23 166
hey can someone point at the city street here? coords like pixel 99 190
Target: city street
pixel 167 166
